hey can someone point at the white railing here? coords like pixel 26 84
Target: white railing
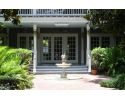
pixel 52 12
pixel 26 12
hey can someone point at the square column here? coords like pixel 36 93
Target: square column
pixel 35 48
pixel 82 46
pixel 88 51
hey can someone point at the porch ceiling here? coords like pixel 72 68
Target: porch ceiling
pixel 50 22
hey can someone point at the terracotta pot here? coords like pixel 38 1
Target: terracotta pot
pixel 94 72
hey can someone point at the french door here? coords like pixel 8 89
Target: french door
pixel 54 45
pixel 25 41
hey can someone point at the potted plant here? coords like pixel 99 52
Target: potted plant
pixel 94 69
pixel 96 59
pixel 95 65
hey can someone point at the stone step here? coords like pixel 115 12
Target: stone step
pixel 44 67
pixel 57 70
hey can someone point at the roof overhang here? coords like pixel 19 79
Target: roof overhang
pixel 49 22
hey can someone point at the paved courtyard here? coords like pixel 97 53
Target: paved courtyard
pixel 73 82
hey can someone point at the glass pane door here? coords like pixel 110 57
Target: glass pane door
pixel 54 45
pixel 71 42
pixel 23 42
pixel 46 49
pixel 31 43
pixel 57 48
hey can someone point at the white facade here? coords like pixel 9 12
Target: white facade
pixel 48 33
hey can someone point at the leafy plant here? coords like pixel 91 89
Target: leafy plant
pixel 14 68
pixel 110 61
pixel 114 60
pixel 97 56
pixel 3 50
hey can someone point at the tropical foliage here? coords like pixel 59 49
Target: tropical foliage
pixel 14 68
pixel 111 60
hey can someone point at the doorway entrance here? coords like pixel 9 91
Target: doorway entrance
pixel 54 45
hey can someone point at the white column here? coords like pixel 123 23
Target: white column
pixel 88 51
pixel 82 46
pixel 35 48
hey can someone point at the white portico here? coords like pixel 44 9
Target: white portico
pixel 48 33
pixel 61 40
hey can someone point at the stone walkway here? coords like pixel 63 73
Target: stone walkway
pixel 73 82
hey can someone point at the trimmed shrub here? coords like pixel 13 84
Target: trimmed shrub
pixel 108 83
pixel 117 82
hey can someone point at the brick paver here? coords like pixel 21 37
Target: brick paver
pixel 73 82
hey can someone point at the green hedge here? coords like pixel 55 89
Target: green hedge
pixel 108 83
pixel 118 82
pixel 14 65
